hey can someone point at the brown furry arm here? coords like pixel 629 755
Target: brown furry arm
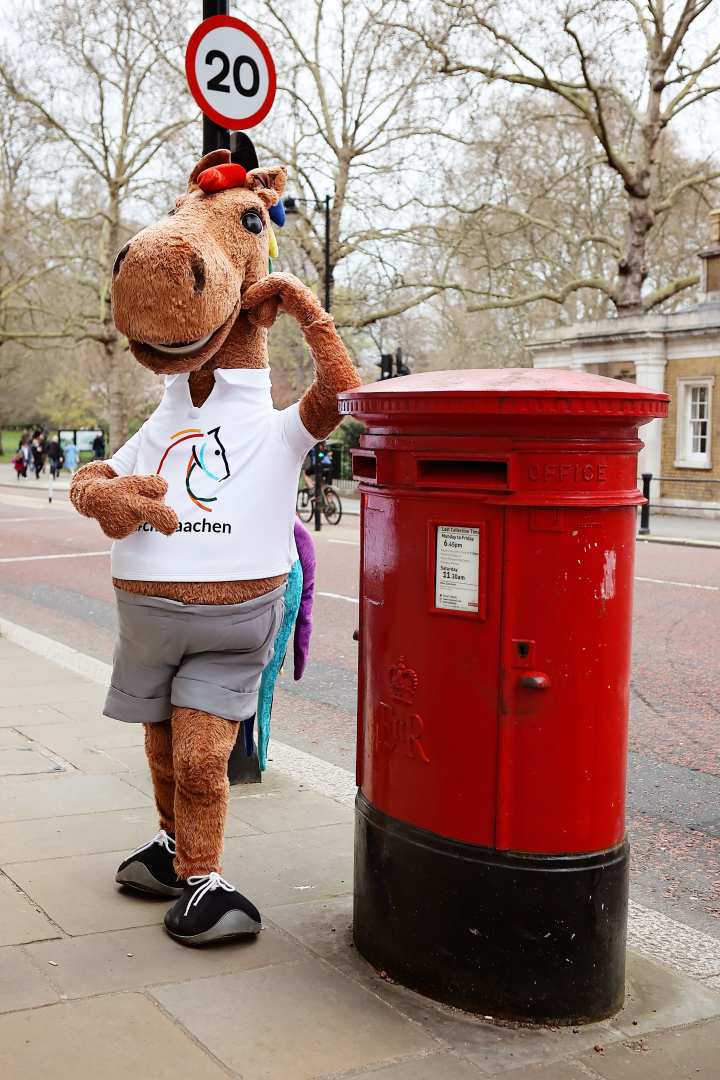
pixel 120 503
pixel 334 370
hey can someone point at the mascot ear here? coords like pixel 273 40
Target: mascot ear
pixel 215 157
pixel 268 183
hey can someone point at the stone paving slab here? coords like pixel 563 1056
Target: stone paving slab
pixel 86 834
pixel 114 1038
pixel 10 739
pixel 301 810
pixel 431 1067
pixel 684 1053
pixel 67 793
pixel 22 985
pixel 286 868
pixel 67 691
pixel 76 834
pixel 146 956
pixel 15 716
pixel 20 921
pixel 81 747
pixel 80 895
pixel 306 1020
pixel 26 761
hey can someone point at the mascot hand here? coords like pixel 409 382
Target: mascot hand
pixel 121 503
pixel 283 291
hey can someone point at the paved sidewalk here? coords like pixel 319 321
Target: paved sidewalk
pixel 90 985
pixel 9 478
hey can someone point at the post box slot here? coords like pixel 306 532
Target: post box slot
pixel 456 472
pixel 364 467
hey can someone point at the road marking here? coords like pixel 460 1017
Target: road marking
pixel 339 596
pixel 65 555
pixel 680 584
pixel 353 543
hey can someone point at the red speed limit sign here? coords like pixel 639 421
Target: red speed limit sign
pixel 230 72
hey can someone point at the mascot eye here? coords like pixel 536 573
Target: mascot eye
pixel 252 222
pixel 217 453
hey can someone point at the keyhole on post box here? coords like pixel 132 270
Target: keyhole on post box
pixel 523 648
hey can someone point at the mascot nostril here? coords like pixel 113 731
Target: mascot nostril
pixel 198 271
pixel 201 506
pixel 119 258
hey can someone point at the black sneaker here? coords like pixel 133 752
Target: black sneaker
pixel 149 869
pixel 211 910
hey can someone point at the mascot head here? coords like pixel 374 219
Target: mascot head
pixel 178 286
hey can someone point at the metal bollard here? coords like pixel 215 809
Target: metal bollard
pixel 645 509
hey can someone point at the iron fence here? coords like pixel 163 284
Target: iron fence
pixel 647 481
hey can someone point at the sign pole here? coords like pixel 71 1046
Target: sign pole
pixel 231 75
pixel 214 136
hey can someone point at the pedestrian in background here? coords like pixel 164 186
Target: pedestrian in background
pixel 99 447
pixel 55 458
pixel 38 452
pixel 70 456
pixel 19 463
pixel 25 449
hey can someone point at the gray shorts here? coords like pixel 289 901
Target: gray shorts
pixel 201 656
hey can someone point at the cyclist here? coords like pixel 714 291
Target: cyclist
pixel 319 455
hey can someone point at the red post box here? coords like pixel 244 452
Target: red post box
pixel 498 521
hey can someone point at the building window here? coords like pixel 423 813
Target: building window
pixel 694 429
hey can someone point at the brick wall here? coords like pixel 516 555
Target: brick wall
pixel 700 492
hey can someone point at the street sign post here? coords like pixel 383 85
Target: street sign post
pixel 230 72
pixel 231 75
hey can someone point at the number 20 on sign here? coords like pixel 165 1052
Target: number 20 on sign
pixel 230 72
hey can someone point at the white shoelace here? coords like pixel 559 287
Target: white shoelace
pixel 208 883
pixel 161 838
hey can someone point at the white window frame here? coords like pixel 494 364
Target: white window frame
pixel 685 458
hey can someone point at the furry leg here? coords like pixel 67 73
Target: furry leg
pixel 201 747
pixel 158 749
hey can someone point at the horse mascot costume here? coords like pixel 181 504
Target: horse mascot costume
pixel 201 506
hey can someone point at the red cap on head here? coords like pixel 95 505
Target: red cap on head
pixel 222 177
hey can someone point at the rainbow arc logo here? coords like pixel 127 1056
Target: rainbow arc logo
pixel 207 462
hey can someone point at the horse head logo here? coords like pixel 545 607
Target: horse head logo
pixel 207 454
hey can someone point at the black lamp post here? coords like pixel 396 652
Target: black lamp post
pixel 291 208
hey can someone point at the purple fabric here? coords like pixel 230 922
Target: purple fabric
pixel 303 624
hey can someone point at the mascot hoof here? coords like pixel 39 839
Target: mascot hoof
pixel 211 910
pixel 149 869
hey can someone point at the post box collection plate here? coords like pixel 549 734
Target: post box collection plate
pixel 457 568
pixel 497 541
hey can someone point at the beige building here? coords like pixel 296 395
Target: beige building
pixel 678 353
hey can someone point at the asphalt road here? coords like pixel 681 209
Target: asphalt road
pixel 54 578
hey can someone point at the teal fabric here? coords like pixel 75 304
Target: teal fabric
pixel 293 595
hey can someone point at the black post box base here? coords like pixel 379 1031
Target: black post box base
pixel 534 938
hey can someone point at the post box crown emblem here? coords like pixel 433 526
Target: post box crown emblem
pixel 403 682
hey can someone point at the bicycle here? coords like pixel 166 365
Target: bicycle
pixel 330 504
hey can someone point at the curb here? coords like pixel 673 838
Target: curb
pixel 681 541
pixel 689 951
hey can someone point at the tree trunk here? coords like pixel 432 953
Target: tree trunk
pixel 632 268
pixel 112 354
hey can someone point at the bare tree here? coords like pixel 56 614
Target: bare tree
pixel 356 119
pixel 626 71
pixel 104 82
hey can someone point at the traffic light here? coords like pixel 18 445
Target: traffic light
pixel 385 363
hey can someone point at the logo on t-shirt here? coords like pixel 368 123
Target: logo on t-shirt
pixel 207 464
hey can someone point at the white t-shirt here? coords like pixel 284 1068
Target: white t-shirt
pixel 232 469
